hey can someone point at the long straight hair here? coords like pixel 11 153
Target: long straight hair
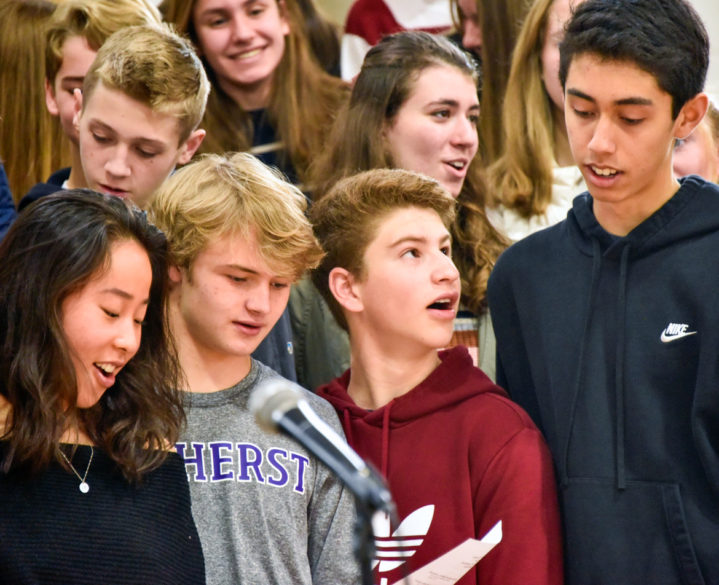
pixel 523 175
pixel 32 143
pixel 304 99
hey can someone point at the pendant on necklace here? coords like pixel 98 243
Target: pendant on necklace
pixel 84 488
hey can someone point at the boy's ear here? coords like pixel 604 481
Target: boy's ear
pixel 77 97
pixel 691 115
pixel 175 275
pixel 188 149
pixel 50 100
pixel 343 287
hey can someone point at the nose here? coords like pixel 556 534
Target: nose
pixel 258 301
pixel 117 164
pixel 128 336
pixel 444 271
pixel 241 29
pixel 465 134
pixel 602 140
pixel 472 36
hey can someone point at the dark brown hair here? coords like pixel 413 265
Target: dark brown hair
pixel 53 249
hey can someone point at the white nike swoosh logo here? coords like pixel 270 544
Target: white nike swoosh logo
pixel 667 338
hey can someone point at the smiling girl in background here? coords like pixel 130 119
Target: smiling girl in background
pixel 87 410
pixel 270 96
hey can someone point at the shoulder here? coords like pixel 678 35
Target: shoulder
pixel 323 408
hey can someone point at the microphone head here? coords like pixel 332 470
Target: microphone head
pixel 271 400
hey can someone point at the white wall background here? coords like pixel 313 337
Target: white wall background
pixel 707 9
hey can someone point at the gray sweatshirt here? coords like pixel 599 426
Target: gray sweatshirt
pixel 266 510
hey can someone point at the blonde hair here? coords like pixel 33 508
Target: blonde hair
pixel 522 177
pixel 304 99
pixel 32 143
pixel 500 21
pixel 235 194
pixel 155 66
pixel 347 219
pixel 94 20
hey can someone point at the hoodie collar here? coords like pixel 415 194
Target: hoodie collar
pixel 664 227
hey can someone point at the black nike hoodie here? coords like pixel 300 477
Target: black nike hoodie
pixel 612 346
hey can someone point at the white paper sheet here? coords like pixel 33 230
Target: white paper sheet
pixel 452 565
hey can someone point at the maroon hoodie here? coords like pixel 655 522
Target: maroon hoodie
pixel 459 456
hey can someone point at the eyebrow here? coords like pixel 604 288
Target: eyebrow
pixel 123 294
pixel 72 79
pixel 141 139
pixel 451 102
pixel 417 239
pixel 630 101
pixel 254 272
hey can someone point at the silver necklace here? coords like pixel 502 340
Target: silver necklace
pixel 83 487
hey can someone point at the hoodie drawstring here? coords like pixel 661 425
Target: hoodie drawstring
pixel 619 372
pixel 596 269
pixel 620 466
pixel 347 424
pixel 385 439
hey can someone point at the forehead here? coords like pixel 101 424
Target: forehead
pixel 242 250
pixel 408 222
pixel 443 83
pixel 610 81
pixel 559 13
pixel 77 55
pixel 129 117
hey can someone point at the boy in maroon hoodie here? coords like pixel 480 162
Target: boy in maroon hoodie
pixel 459 456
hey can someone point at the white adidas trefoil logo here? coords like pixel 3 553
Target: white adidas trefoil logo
pixel 675 331
pixel 392 551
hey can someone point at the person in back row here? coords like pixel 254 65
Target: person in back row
pixel 138 113
pixel 606 322
pixel 267 510
pixel 76 30
pixel 270 96
pixel 414 106
pixel 458 455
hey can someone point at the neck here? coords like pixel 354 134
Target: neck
pixel 379 376
pixel 205 370
pixel 621 217
pixel 77 177
pixel 562 151
pixel 249 97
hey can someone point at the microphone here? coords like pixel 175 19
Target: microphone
pixel 278 406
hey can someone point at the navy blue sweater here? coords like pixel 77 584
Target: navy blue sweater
pixel 612 345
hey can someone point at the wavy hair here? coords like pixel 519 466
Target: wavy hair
pixel 522 177
pixel 54 248
pixel 304 99
pixel 235 193
pixel 385 82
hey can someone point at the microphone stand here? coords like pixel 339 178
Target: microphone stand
pixel 364 542
pixel 368 503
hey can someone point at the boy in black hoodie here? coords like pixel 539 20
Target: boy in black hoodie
pixel 606 323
